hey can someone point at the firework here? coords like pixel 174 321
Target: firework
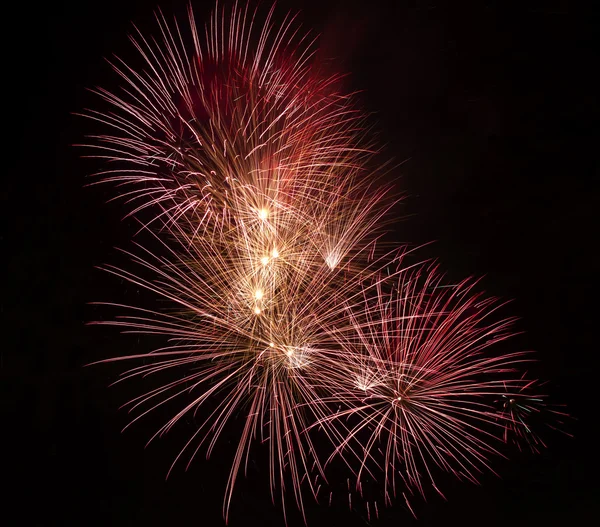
pixel 253 175
pixel 253 170
pixel 253 339
pixel 417 386
pixel 521 410
pixel 243 130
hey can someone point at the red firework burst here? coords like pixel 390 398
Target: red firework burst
pixel 255 174
pixel 417 383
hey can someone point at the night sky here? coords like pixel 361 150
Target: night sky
pixel 495 110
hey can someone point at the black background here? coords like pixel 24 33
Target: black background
pixel 494 108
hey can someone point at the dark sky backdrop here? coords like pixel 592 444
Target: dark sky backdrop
pixel 496 108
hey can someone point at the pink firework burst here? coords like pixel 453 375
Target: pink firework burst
pixel 253 175
pixel 254 172
pixel 416 388
pixel 241 128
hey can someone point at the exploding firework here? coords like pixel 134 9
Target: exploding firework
pixel 522 410
pixel 242 131
pixel 254 170
pixel 417 385
pixel 257 344
pixel 253 175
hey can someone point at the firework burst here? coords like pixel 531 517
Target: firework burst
pixel 254 177
pixel 521 411
pixel 417 385
pixel 255 340
pixel 241 130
